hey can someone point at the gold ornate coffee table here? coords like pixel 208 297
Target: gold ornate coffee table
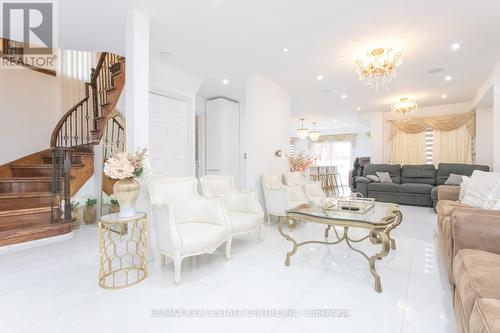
pixel 379 221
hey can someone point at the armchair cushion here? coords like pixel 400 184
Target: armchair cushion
pixel 199 235
pixel 293 178
pixel 364 180
pixel 242 221
pixel 476 275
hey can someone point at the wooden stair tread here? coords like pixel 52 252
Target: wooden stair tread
pixel 40 166
pixel 25 195
pixel 25 211
pixel 20 235
pixel 25 179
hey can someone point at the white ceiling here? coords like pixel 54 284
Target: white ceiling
pixel 217 39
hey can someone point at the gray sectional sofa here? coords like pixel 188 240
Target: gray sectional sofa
pixel 412 184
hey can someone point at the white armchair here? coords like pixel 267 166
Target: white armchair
pixel 187 224
pixel 280 197
pixel 243 208
pixel 312 189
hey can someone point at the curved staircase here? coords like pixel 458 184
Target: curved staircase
pixel 35 190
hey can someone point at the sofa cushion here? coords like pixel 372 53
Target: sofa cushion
pixel 393 169
pixel 485 317
pixel 476 274
pixel 444 170
pixel 480 189
pixel 415 188
pixel 383 187
pixel 425 173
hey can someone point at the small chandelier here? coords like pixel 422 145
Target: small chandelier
pixel 314 135
pixel 302 132
pixel 379 69
pixel 404 106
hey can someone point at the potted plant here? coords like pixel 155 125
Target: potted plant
pixel 126 168
pixel 89 213
pixel 75 215
pixel 114 207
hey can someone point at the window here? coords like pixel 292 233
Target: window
pixel 335 153
pixel 429 145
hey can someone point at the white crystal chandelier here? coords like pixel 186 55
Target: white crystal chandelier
pixel 404 106
pixel 302 132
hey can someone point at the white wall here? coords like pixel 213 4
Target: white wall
pixel 496 126
pixel 168 81
pixel 267 119
pixel 484 136
pixel 31 107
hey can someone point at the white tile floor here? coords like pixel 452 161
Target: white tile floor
pixel 54 288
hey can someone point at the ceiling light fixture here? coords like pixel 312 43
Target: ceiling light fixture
pixel 314 135
pixel 225 82
pixel 319 77
pixel 444 96
pixel 379 68
pixel 448 78
pixel 456 46
pixel 285 50
pixel 334 120
pixel 343 96
pixel 404 106
pixel 302 132
pixel 358 108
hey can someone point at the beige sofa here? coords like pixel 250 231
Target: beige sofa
pixel 470 243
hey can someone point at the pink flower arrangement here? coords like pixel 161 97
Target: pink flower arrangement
pixel 126 166
pixel 301 162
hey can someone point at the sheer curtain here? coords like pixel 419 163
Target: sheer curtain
pixel 453 146
pixel 408 148
pixel 74 70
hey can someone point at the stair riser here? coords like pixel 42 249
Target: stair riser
pixel 26 202
pixel 74 160
pixel 23 187
pixel 14 222
pixel 31 172
pixel 33 233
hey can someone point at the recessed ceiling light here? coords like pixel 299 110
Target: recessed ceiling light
pixel 319 77
pixel 435 70
pixel 455 46
pixel 358 108
pixel 334 120
pixel 448 78
pixel 225 82
pixel 285 50
pixel 345 125
pixel 343 96
pixel 444 96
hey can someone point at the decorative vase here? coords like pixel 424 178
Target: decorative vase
pixel 89 214
pixel 126 192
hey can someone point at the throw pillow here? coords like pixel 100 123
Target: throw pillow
pixel 493 200
pixel 481 186
pixel 373 178
pixel 463 188
pixel 453 179
pixel 384 177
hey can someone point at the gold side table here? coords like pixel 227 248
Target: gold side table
pixel 122 253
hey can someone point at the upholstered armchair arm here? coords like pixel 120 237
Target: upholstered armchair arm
pixel 477 229
pixel 362 185
pixel 245 201
pixel 210 210
pixel 167 235
pixel 361 179
pixel 448 192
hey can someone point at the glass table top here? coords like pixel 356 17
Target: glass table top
pixel 375 215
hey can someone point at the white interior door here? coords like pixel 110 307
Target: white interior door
pixel 168 135
pixel 223 138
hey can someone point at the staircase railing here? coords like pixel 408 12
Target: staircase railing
pixel 78 130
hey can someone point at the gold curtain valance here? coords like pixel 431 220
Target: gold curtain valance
pixel 439 123
pixel 328 138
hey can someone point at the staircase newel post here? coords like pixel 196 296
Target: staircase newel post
pixel 67 185
pixel 95 99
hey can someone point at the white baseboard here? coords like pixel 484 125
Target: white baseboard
pixel 32 244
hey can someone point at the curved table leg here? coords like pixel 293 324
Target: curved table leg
pixel 381 237
pixel 288 238
pixel 399 219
